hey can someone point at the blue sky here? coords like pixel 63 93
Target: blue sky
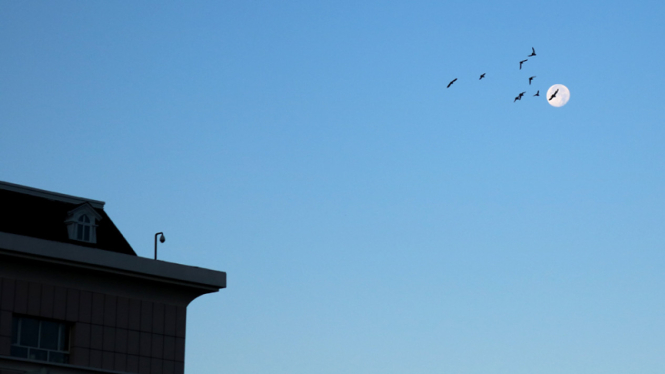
pixel 370 220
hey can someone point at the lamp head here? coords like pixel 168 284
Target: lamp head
pixel 162 239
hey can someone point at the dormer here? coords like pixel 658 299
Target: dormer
pixel 82 223
pixel 57 217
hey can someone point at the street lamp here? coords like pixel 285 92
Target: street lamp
pixel 161 240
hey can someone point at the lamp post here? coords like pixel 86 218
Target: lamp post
pixel 161 240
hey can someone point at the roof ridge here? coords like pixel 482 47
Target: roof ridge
pixel 50 195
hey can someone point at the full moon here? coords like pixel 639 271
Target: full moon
pixel 562 96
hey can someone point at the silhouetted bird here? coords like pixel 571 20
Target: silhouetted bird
pixel 521 94
pixel 533 53
pixel 521 62
pixel 530 79
pixel 537 93
pixel 451 82
pixel 482 76
pixel 517 98
pixel 553 95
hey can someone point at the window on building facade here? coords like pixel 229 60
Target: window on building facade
pixel 83 229
pixel 82 224
pixel 40 340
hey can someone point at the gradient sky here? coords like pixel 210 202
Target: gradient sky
pixel 369 219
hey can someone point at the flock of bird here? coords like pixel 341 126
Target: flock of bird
pixel 519 96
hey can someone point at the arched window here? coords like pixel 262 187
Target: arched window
pixel 82 224
pixel 83 228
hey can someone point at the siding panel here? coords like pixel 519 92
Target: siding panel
pixel 8 291
pixel 110 305
pixel 134 314
pixel 21 297
pixel 85 307
pixel 170 320
pixel 122 316
pixel 146 316
pixel 46 307
pixel 34 298
pixel 60 303
pixel 158 318
pixel 81 336
pixel 97 308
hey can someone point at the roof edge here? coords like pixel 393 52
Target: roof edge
pixel 114 262
pixel 50 195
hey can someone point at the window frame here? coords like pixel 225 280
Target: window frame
pixel 78 229
pixel 63 341
pixel 84 228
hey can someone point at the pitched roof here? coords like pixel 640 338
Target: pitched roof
pixel 42 214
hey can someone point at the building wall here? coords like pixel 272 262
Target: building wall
pixel 107 331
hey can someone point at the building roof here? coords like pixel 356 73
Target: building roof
pixel 42 214
pixel 104 270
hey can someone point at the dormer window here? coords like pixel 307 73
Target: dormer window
pixel 83 229
pixel 82 224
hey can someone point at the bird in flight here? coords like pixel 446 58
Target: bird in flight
pixel 533 53
pixel 482 76
pixel 451 82
pixel 519 97
pixel 553 95
pixel 530 79
pixel 537 93
pixel 521 62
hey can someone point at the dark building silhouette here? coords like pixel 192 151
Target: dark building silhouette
pixel 75 297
